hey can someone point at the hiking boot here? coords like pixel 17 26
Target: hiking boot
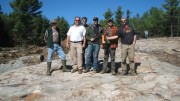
pixel 80 71
pixel 132 73
pixel 73 70
pixel 102 72
pixel 113 73
pixel 94 71
pixel 86 70
pixel 123 73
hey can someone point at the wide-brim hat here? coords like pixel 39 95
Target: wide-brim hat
pixel 53 21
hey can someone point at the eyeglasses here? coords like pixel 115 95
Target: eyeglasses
pixel 54 24
pixel 77 20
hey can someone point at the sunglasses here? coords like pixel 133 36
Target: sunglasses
pixel 77 20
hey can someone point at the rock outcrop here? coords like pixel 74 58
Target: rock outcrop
pixel 157 80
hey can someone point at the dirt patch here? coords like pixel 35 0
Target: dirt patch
pixel 32 97
pixel 164 56
pixel 9 54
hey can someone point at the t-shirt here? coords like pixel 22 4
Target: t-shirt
pixel 55 36
pixel 126 34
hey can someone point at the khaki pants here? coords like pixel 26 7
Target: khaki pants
pixel 76 54
pixel 127 51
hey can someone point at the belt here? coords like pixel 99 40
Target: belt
pixel 75 41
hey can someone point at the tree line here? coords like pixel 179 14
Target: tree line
pixel 26 24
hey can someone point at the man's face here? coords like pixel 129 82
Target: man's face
pixel 54 25
pixel 84 21
pixel 77 21
pixel 123 21
pixel 110 23
pixel 95 22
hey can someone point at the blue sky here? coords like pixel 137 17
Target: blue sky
pixel 89 8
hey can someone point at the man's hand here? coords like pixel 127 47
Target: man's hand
pixel 83 45
pixel 101 46
pixel 92 39
pixel 67 45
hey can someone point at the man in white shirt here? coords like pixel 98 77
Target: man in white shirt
pixel 76 37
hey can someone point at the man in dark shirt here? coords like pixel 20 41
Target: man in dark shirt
pixel 128 40
pixel 93 38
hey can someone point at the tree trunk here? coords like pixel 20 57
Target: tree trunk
pixel 171 29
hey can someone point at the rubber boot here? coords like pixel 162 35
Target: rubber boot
pixel 103 71
pixel 64 69
pixel 48 68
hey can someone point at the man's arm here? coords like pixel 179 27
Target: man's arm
pixel 84 38
pixel 111 37
pixel 84 42
pixel 67 43
pixel 134 41
pixel 45 36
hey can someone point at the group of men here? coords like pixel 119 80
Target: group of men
pixel 85 41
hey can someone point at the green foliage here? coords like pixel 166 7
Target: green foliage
pixel 63 25
pixel 23 14
pixel 26 24
pixel 108 14
pixel 128 13
pixel 118 16
pixel 135 23
pixel 103 23
pixel 5 26
pixel 40 23
pixel 171 16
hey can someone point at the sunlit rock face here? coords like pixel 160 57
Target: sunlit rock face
pixel 158 78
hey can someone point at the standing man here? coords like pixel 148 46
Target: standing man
pixel 76 37
pixel 109 47
pixel 53 39
pixel 128 40
pixel 93 37
pixel 84 23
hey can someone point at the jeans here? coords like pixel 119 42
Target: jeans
pixel 92 49
pixel 58 49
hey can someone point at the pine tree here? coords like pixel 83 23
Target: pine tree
pixel 23 13
pixel 172 13
pixel 118 16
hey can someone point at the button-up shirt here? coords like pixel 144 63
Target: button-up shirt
pixel 76 33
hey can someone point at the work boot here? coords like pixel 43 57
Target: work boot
pixel 86 70
pixel 113 72
pixel 80 71
pixel 64 69
pixel 132 72
pixel 73 70
pixel 48 68
pixel 103 70
pixel 94 71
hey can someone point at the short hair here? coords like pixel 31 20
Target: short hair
pixel 110 20
pixel 95 19
pixel 84 18
pixel 77 17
